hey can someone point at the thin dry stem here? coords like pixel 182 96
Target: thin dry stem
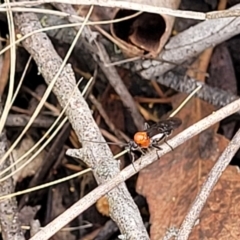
pixel 5 66
pixel 7 105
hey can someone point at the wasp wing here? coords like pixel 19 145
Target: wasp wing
pixel 164 127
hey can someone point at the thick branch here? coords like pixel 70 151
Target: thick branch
pixel 215 96
pixel 98 156
pixel 10 225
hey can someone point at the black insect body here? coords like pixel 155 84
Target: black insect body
pixel 161 130
pixel 153 135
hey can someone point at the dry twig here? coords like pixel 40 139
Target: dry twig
pixel 215 96
pixel 21 120
pixel 118 133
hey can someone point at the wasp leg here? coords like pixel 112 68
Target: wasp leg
pixel 133 147
pixel 141 151
pixel 158 148
pixel 132 156
pixel 168 144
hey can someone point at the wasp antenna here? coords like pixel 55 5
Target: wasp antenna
pixel 112 143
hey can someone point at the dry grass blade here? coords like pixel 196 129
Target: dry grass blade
pixel 69 25
pixel 46 185
pixel 5 66
pixel 12 68
pixel 185 101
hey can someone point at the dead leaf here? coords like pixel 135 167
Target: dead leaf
pixel 221 70
pixel 171 184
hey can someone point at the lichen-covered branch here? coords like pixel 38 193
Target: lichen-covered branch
pixel 10 225
pixel 215 96
pixel 98 156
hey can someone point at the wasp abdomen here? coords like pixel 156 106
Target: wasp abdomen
pixel 142 139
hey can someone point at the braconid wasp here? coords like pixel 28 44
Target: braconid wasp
pixel 152 136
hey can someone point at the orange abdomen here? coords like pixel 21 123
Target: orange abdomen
pixel 142 139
